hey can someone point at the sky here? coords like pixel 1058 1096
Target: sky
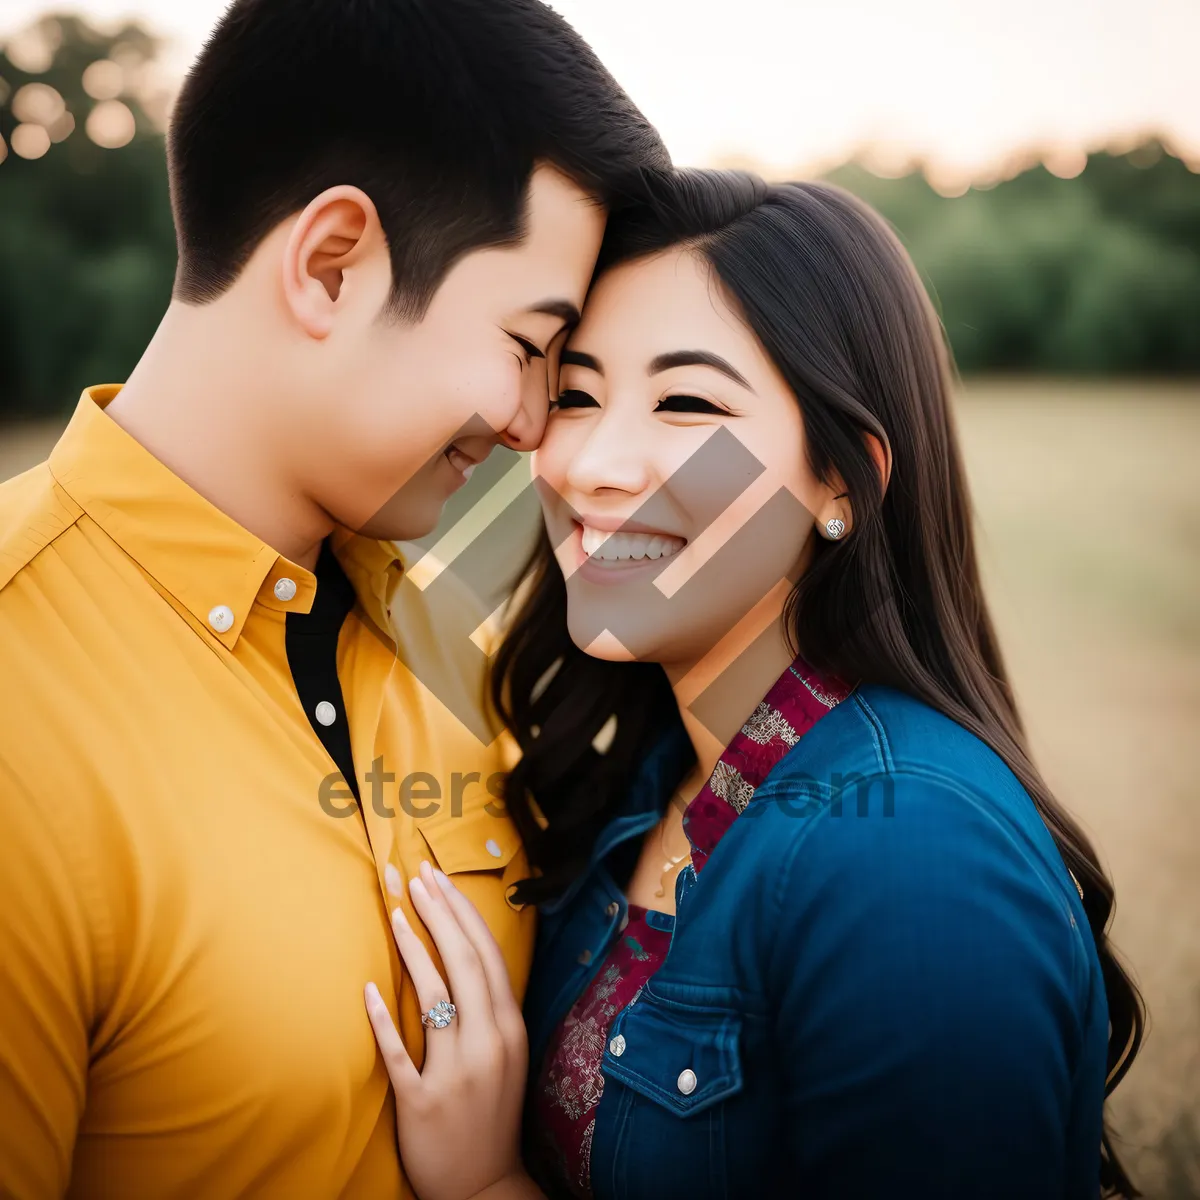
pixel 966 86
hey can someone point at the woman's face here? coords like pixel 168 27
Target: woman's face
pixel 673 473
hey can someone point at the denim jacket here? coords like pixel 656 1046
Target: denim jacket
pixel 881 985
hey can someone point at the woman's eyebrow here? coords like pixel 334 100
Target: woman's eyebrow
pixel 698 358
pixel 577 358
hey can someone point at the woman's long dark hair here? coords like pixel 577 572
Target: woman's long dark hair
pixel 830 293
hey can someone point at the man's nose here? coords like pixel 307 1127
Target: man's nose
pixel 528 426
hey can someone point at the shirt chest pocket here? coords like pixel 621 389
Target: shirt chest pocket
pixel 482 853
pixel 671 1070
pixel 478 840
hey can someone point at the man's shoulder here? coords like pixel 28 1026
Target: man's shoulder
pixel 39 648
pixel 34 511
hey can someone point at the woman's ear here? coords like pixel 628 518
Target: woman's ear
pixel 881 456
pixel 337 233
pixel 836 518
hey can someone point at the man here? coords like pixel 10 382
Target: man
pixel 223 747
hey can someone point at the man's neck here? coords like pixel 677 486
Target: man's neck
pixel 202 403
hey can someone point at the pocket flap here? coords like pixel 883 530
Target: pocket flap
pixel 476 841
pixel 683 1057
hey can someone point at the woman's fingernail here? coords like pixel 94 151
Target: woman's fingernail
pixel 399 920
pixel 444 880
pixel 427 873
pixel 373 996
pixel 416 887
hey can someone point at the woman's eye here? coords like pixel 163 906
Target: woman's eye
pixel 574 398
pixel 689 404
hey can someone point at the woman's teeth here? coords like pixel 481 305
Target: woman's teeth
pixel 599 543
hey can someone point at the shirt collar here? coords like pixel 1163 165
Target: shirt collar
pixel 196 553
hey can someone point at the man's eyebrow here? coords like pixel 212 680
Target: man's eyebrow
pixel 577 358
pixel 698 358
pixel 564 309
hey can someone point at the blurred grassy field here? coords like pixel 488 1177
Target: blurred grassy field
pixel 1089 510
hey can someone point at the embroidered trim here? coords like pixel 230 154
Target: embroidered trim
pixel 766 724
pixel 829 699
pixel 777 723
pixel 727 782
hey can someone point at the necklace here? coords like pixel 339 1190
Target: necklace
pixel 671 862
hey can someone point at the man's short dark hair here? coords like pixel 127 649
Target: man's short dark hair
pixel 437 109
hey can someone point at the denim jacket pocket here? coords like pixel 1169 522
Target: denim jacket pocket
pixel 686 1058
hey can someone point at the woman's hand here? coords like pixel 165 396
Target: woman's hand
pixel 458 1118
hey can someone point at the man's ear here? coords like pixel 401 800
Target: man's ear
pixel 337 232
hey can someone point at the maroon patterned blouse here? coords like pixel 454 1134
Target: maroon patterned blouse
pixel 570 1085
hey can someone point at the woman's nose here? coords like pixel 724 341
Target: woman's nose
pixel 613 456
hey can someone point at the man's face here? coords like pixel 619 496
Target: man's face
pixel 421 403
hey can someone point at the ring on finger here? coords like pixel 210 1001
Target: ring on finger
pixel 439 1016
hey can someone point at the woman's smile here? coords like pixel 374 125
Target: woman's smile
pixel 605 550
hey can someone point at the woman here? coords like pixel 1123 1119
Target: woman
pixel 811 922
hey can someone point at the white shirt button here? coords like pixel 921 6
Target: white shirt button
pixel 617 1046
pixel 325 713
pixel 686 1082
pixel 612 909
pixel 493 847
pixel 395 885
pixel 221 618
pixel 285 589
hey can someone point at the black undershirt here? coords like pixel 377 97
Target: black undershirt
pixel 311 639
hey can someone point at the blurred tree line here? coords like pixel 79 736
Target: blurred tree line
pixel 87 246
pixel 1099 274
pixel 1095 274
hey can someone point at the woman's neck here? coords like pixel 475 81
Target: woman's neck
pixel 718 691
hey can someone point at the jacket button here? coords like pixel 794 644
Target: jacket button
pixel 613 909
pixel 617 1047
pixel 686 1082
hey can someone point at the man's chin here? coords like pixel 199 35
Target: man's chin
pixel 412 522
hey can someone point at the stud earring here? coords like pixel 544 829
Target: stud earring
pixel 835 528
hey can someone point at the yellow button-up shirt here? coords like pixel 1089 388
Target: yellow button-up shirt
pixel 190 901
